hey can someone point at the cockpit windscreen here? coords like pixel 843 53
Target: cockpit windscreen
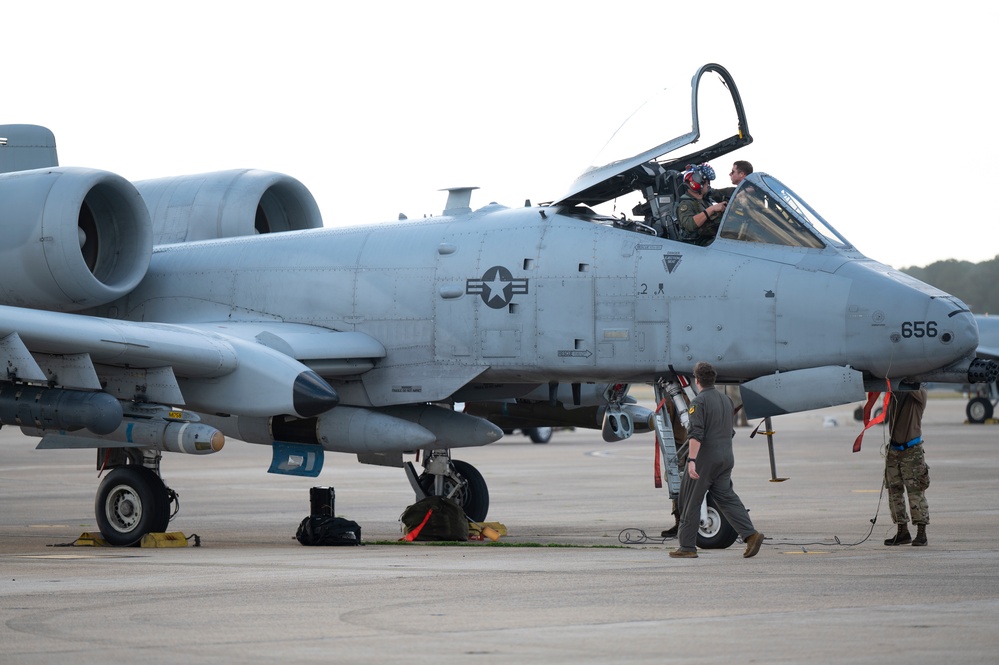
pixel 775 215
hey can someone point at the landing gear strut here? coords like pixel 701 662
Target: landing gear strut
pixel 457 480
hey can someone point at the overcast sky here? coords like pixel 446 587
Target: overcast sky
pixel 879 114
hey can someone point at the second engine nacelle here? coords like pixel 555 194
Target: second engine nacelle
pixel 73 238
pixel 227 204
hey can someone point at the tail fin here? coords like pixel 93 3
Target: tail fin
pixel 25 147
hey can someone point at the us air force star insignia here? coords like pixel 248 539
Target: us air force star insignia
pixel 497 287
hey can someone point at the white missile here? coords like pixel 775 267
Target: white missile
pixel 170 436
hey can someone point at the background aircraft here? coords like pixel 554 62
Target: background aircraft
pixel 985 396
pixel 164 315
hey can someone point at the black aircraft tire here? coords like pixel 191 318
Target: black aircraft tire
pixel 476 492
pixel 858 413
pixel 162 520
pixel 473 497
pixel 979 410
pixel 720 534
pixel 131 502
pixel 540 434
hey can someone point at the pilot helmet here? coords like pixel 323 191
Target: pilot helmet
pixel 696 176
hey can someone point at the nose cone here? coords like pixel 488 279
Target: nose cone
pixel 312 395
pixel 955 336
pixel 902 327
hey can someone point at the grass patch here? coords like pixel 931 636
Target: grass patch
pixel 478 543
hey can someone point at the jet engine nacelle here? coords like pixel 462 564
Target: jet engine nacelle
pixel 73 238
pixel 227 204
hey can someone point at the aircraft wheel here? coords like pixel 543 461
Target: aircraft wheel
pixel 858 413
pixel 540 434
pixel 717 534
pixel 979 409
pixel 131 502
pixel 472 493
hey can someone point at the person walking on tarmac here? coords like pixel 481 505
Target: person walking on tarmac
pixel 709 467
pixel 905 467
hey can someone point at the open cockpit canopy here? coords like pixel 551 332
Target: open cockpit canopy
pixel 715 126
pixel 761 210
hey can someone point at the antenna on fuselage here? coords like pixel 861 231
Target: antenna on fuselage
pixel 458 199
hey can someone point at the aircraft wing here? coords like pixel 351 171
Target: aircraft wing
pixel 259 369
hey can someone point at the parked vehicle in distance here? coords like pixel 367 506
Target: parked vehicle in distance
pixel 536 434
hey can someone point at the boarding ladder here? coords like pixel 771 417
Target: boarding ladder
pixel 678 392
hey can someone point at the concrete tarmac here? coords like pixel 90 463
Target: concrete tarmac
pixel 822 589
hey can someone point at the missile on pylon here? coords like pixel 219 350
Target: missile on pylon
pixel 167 435
pixel 58 408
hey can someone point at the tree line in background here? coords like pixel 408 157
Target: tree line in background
pixel 977 284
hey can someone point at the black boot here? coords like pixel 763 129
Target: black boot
pixel 673 530
pixel 902 537
pixel 920 539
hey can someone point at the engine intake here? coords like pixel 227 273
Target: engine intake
pixel 74 238
pixel 227 204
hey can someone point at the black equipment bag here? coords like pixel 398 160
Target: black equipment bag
pixel 327 530
pixel 435 518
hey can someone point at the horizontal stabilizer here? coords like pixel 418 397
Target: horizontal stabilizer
pixel 801 390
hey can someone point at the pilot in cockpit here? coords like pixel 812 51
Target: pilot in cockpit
pixel 740 170
pixel 697 213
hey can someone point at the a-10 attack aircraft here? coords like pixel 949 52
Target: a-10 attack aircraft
pixel 165 315
pixel 985 396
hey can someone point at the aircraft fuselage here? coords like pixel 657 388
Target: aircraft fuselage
pixel 528 295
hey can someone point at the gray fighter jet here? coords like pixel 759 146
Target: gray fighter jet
pixel 981 406
pixel 164 315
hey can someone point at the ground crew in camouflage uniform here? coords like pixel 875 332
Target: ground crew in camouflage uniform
pixel 906 471
pixel 709 468
pixel 696 213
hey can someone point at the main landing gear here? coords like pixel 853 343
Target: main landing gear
pixel 132 501
pixel 979 410
pixel 457 480
pixel 714 532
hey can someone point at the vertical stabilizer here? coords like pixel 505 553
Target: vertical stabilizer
pixel 25 147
